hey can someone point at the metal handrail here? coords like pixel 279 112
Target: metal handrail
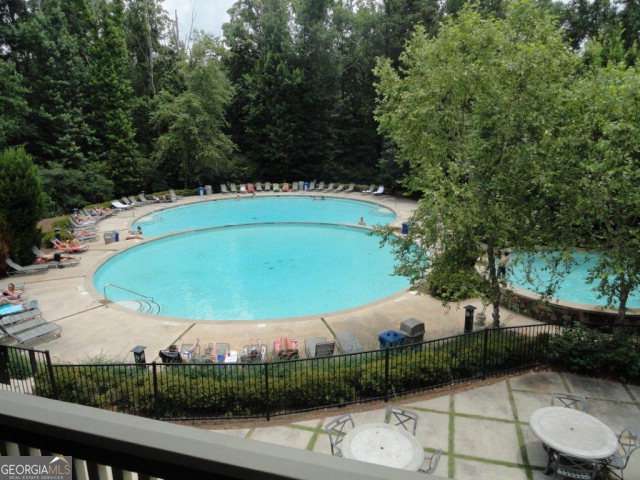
pixel 145 297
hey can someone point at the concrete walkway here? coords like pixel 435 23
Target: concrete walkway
pixel 483 431
pixel 93 328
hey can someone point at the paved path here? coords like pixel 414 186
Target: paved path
pixel 93 330
pixel 484 431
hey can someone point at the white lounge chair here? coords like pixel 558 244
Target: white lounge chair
pixel 320 186
pixel 330 187
pixel 371 189
pixel 276 187
pixel 267 186
pixel 20 270
pixel 259 187
pixel 243 188
pixel 379 191
pixel 340 187
pixel 119 206
pixel 350 188
pixel 223 188
pixel 233 188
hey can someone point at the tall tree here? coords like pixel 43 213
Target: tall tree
pixel 476 146
pixel 13 105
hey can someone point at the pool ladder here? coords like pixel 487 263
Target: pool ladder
pixel 146 304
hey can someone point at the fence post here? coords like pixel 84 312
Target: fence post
pixel 155 386
pixel 52 377
pixel 386 374
pixel 267 400
pixel 485 351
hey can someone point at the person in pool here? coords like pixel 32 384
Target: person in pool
pixel 137 235
pixel 361 221
pixel 11 292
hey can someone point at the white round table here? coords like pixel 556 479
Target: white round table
pixel 383 444
pixel 574 433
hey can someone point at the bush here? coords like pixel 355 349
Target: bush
pixel 591 352
pixel 21 204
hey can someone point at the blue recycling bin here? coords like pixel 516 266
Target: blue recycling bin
pixel 391 338
pixel 405 229
pixel 116 236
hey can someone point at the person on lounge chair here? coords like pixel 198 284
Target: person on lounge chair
pixel 54 257
pixel 6 301
pixel 11 292
pixel 71 246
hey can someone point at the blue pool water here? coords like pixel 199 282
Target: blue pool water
pixel 263 210
pixel 255 272
pixel 573 287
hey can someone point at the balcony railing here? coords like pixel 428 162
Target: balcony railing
pixel 107 445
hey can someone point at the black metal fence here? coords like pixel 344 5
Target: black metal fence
pixel 208 391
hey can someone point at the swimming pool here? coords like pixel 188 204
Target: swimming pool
pixel 254 272
pixel 573 287
pixel 246 210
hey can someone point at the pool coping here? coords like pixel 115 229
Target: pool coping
pixel 90 287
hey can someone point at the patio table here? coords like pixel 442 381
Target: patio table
pixel 383 444
pixel 573 433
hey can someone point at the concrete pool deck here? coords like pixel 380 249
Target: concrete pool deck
pixel 94 328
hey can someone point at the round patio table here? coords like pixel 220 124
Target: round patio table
pixel 383 444
pixel 573 433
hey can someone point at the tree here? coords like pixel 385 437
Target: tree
pixel 12 104
pixel 193 146
pixel 477 146
pixel 21 204
pixel 601 148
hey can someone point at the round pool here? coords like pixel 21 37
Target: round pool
pixel 573 287
pixel 247 210
pixel 253 272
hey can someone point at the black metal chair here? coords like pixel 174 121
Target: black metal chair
pixel 628 442
pixel 570 400
pixel 431 462
pixel 401 417
pixel 336 431
pixel 573 468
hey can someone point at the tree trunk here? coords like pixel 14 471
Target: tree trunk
pixel 622 308
pixel 494 284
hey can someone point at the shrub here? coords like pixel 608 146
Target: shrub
pixel 21 204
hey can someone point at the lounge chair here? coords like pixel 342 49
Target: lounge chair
pixel 276 187
pixel 350 188
pixel 312 185
pixel 295 186
pixel 267 186
pixel 233 188
pixel 320 186
pixel 371 189
pixel 379 191
pixel 223 188
pixel 319 347
pixel 256 353
pixel 119 206
pixel 145 200
pixel 251 188
pixel 340 187
pixel 243 188
pixel 134 202
pixel 259 187
pixel 286 348
pixel 20 270
pixel 55 263
pixel 172 194
pixel 330 187
pixel 172 355
pixel 286 187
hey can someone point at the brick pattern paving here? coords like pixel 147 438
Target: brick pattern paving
pixel 484 431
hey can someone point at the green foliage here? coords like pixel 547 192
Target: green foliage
pixel 12 103
pixel 589 352
pixel 21 204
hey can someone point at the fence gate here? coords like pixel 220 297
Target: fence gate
pixel 24 370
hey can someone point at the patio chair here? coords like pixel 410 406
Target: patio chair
pixel 189 350
pixel 379 191
pixel 276 187
pixel 350 188
pixel 431 462
pixel 371 189
pixel 251 188
pixel 259 187
pixel 402 418
pixel 320 186
pixel 267 186
pixel 628 442
pixel 312 185
pixel 330 187
pixel 340 187
pixel 223 188
pixel 222 350
pixel 336 431
pixel 20 270
pixel 295 186
pixel 319 347
pixel 119 206
pixel 573 468
pixel 233 188
pixel 172 194
pixel 285 348
pixel 170 356
pixel 570 400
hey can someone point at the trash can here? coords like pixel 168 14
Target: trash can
pixel 208 189
pixel 391 338
pixel 405 229
pixel 413 330
pixel 116 236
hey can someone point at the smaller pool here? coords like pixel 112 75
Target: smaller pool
pixel 573 287
pixel 269 209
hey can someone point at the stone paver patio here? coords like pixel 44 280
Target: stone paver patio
pixel 483 431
